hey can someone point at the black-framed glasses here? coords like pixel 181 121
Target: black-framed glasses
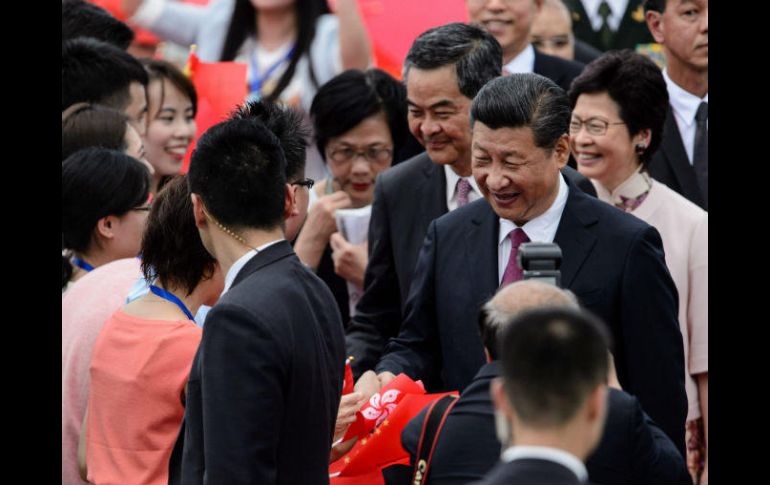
pixel 305 182
pixel 594 126
pixel 372 154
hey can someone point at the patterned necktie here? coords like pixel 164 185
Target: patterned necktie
pixel 700 153
pixel 463 189
pixel 512 271
pixel 605 32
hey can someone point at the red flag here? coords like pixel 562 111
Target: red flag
pixel 381 448
pixel 221 87
pixel 381 404
pixel 347 387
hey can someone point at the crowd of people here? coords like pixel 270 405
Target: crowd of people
pixel 342 229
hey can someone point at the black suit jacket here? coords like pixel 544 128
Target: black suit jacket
pixel 530 471
pixel 407 198
pixel 558 70
pixel 632 451
pixel 585 52
pixel 611 260
pixel 671 166
pixel 632 30
pixel 265 384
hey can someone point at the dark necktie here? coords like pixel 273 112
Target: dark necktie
pixel 512 271
pixel 700 154
pixel 605 32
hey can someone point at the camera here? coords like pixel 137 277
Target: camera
pixel 540 261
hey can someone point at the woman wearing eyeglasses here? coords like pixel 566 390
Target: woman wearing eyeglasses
pixel 619 107
pixel 359 118
pixel 104 207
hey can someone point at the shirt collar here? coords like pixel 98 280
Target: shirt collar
pixel 451 181
pixel 637 184
pixel 684 103
pixel 561 457
pixel 543 227
pixel 524 62
pixel 617 12
pixel 241 262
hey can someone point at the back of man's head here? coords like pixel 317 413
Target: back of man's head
pixel 98 72
pixel 524 100
pixel 552 360
pixel 286 125
pixel 239 171
pixel 84 19
pixel 476 54
pixel 513 299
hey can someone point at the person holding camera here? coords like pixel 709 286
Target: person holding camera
pixel 520 142
pixel 619 109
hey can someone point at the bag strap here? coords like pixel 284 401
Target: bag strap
pixel 431 428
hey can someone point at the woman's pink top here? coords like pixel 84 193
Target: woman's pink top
pixel 139 369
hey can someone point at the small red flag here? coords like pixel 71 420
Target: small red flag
pixel 347 387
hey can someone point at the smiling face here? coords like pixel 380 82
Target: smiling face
pixel 609 158
pixel 358 155
pixel 519 179
pixel 439 115
pixel 509 21
pixel 171 128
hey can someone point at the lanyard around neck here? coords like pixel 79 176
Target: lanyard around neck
pixel 172 298
pixel 257 81
pixel 81 264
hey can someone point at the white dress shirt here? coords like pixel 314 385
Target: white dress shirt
pixel 617 10
pixel 451 188
pixel 241 262
pixel 685 106
pixel 556 455
pixel 540 229
pixel 524 62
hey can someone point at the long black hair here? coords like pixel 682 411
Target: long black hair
pixel 243 24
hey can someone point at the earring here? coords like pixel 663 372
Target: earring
pixel 640 148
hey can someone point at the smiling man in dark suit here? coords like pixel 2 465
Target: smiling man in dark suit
pixel 444 69
pixel 612 261
pixel 265 384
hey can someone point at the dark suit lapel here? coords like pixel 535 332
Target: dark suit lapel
pixel 270 255
pixel 676 157
pixel 481 249
pixel 573 235
pixel 434 183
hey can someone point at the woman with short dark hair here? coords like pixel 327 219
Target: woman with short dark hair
pixel 619 107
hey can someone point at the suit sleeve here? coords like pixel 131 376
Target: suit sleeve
pixel 650 336
pixel 378 313
pixel 416 351
pixel 242 371
pixel 654 457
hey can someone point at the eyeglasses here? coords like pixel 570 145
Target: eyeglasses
pixel 305 182
pixel 594 126
pixel 372 154
pixel 142 209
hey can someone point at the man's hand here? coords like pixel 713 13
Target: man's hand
pixel 346 415
pixel 319 226
pixel 385 378
pixel 349 259
pixel 367 384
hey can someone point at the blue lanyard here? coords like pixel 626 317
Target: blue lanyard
pixel 173 299
pixel 81 264
pixel 257 81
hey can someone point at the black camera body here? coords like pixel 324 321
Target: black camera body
pixel 540 261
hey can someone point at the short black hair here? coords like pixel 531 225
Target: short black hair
pixel 655 5
pixel 476 54
pixel 239 170
pixel 84 19
pixel 352 96
pixel 551 360
pixel 636 85
pixel 286 123
pixel 86 125
pixel 521 100
pixel 172 248
pixel 97 72
pixel 158 70
pixel 95 183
